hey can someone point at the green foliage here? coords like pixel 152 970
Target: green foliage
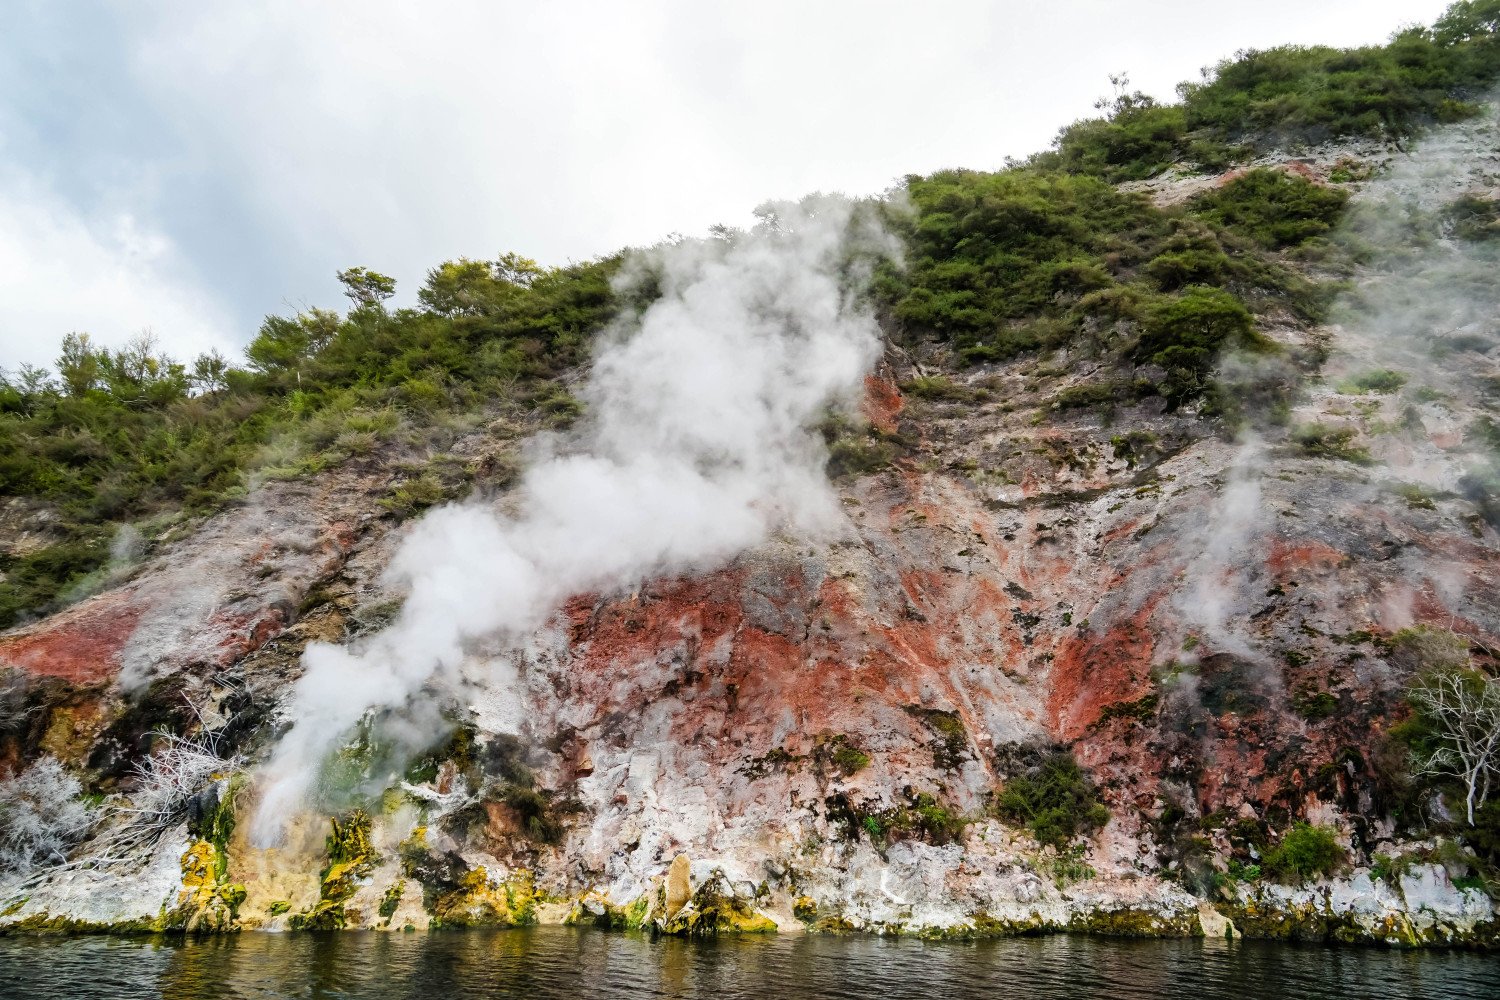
pixel 1484 836
pixel 1415 496
pixel 1068 867
pixel 1261 99
pixel 1137 447
pixel 1101 395
pixel 1469 21
pixel 365 287
pixel 855 450
pixel 1474 217
pixel 1025 260
pixel 951 744
pixel 1381 381
pixel 120 436
pixel 990 251
pixel 534 812
pixel 415 495
pixel 846 758
pixel 1305 851
pixel 1055 800
pixel 1324 441
pixel 938 387
pixel 1242 872
pixel 1272 207
pixel 1313 704
pixel 1390 870
pixel 923 817
pixel 1137 139
pixel 458 747
pixel 33 583
pixel 1141 709
pixel 1185 334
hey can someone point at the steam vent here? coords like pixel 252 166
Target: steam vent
pixel 1109 543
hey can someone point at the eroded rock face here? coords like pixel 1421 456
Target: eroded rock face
pixel 814 735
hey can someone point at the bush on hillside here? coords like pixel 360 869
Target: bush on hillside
pixel 1305 852
pixel 1055 800
pixel 1261 99
pixel 1272 207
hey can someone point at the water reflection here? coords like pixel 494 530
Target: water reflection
pixel 554 962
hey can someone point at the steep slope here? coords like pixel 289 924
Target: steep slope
pixel 1217 624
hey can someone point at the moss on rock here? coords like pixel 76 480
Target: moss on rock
pixel 350 861
pixel 480 902
pixel 715 909
pixel 1137 923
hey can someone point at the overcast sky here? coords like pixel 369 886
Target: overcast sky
pixel 191 167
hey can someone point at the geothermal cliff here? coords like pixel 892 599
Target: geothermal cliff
pixel 1216 625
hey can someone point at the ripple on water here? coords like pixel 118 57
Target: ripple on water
pixel 555 962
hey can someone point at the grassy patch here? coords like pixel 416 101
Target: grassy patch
pixel 1381 381
pixel 1324 441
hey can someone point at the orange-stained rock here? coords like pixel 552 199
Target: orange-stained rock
pixel 82 644
pixel 883 401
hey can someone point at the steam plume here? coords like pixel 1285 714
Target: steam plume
pixel 697 445
pixel 1424 310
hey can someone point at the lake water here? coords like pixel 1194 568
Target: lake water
pixel 547 962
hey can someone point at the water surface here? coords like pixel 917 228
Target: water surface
pixel 556 962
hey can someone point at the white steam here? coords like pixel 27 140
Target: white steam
pixel 699 442
pixel 1425 312
pixel 1216 582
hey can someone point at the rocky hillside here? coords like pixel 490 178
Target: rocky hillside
pixel 1117 630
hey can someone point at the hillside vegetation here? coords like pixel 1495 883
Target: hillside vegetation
pixel 1040 256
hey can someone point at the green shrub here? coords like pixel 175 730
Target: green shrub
pixel 1185 334
pixel 415 495
pixel 1138 139
pixel 990 250
pixel 951 745
pixel 1305 851
pixel 1272 207
pixel 1267 98
pixel 1193 266
pixel 1068 867
pixel 1313 704
pixel 937 387
pixel 1484 836
pixel 847 758
pixel 1475 218
pixel 1242 872
pixel 534 812
pixel 1054 800
pixel 33 583
pixel 923 817
pixel 1381 381
pixel 1094 395
pixel 855 450
pixel 1415 496
pixel 1323 441
pixel 118 436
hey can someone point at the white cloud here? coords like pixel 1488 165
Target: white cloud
pixel 111 276
pixel 397 135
